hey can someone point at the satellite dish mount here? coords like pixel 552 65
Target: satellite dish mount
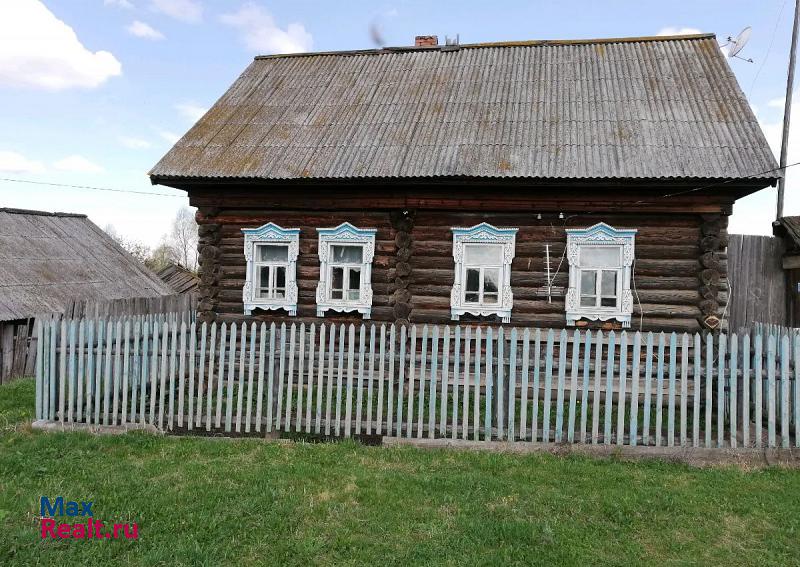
pixel 737 44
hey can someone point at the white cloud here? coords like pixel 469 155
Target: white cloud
pixel 78 164
pixel 39 50
pixel 119 3
pixel 189 11
pixel 260 33
pixel 191 110
pixel 777 102
pixel 168 136
pixel 13 162
pixel 143 30
pixel 672 30
pixel 134 143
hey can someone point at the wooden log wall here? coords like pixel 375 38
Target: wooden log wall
pixel 226 265
pixel 679 272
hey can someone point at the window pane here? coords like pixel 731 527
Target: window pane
pixel 473 280
pixel 600 256
pixel 263 282
pixel 608 302
pixel 490 298
pixel 483 254
pixel 348 254
pixel 588 283
pixel 280 282
pixel 471 297
pixel 337 283
pixel 273 253
pixel 355 279
pixel 608 283
pixel 491 280
pixel 588 300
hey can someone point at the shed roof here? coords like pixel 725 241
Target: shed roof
pixel 178 278
pixel 628 108
pixel 50 259
pixel 790 227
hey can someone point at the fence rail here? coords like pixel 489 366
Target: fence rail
pixel 477 383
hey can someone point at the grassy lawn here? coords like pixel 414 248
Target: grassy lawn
pixel 217 502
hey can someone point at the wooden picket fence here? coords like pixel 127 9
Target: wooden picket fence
pixel 456 382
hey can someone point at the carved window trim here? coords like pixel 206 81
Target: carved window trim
pixel 345 234
pixel 271 233
pixel 483 233
pixel 600 235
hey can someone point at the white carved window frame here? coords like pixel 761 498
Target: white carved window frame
pixel 271 233
pixel 600 235
pixel 349 235
pixel 483 233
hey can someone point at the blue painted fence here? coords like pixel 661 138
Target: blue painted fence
pixel 459 382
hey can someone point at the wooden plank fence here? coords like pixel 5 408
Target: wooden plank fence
pixel 458 382
pixel 757 281
pixel 17 349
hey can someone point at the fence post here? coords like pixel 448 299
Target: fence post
pixel 548 385
pixel 563 345
pixel 39 367
pixel 623 372
pixel 609 387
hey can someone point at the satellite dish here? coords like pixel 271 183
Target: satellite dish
pixel 738 43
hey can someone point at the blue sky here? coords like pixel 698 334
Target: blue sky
pixel 92 92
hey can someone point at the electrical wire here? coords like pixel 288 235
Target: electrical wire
pixel 640 202
pixel 769 49
pixel 13 180
pixel 636 292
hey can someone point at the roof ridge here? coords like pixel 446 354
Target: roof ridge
pixel 496 44
pixel 14 211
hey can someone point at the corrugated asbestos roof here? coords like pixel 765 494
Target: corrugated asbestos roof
pixel 49 259
pixel 635 108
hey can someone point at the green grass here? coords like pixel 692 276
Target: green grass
pixel 201 501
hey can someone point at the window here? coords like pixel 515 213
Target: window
pixel 271 263
pixel 600 261
pixel 345 272
pixel 345 256
pixel 271 254
pixel 482 284
pixel 483 264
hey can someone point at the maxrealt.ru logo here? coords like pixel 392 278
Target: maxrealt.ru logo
pixel 89 529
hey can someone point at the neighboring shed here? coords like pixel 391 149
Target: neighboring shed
pixel 49 260
pixel 179 279
pixel 788 230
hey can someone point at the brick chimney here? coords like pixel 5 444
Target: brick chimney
pixel 426 41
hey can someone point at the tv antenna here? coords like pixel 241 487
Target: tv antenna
pixel 737 44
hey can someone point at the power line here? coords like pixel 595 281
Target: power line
pixel 766 56
pixel 726 182
pixel 12 180
pixel 641 202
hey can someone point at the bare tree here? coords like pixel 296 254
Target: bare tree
pixel 182 238
pixel 137 249
pixel 162 256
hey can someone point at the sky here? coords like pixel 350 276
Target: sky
pixel 94 92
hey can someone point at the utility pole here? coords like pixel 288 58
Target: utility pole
pixel 787 112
